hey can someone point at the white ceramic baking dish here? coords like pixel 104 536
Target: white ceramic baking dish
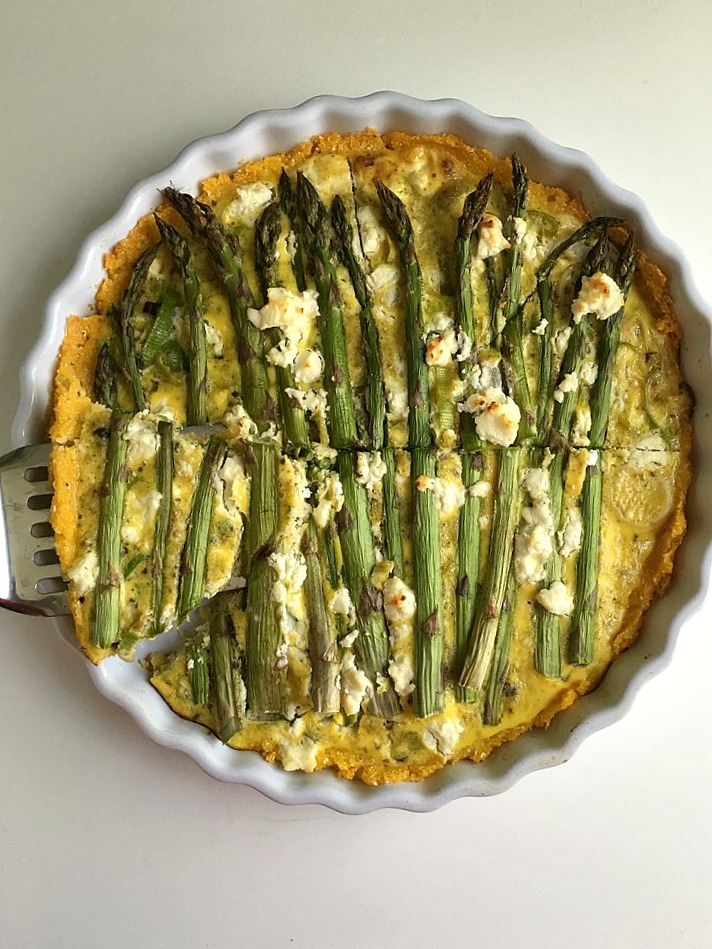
pixel 275 131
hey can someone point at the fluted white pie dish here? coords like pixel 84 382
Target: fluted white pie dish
pixel 276 131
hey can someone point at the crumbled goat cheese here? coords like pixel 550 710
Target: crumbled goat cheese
pixel 480 489
pixel 588 372
pixel 540 328
pixel 561 341
pixel 581 426
pixel 307 366
pixel 84 572
pixel 330 499
pixel 442 734
pixel 231 472
pixel 448 493
pixel 301 757
pixel 384 282
pixel 293 313
pixel 213 339
pixel 249 201
pixel 141 439
pixel 592 458
pixel 370 468
pixel 401 671
pixel 161 406
pixel 437 353
pixel 373 236
pixel 571 536
pixel 397 402
pixel 520 229
pixel 355 685
pixel 340 602
pixel 398 601
pixel 556 599
pixel 284 353
pixel 492 241
pixel 532 249
pixel 600 295
pixel 533 545
pixel 238 423
pixel 497 416
pixel 312 400
pixel 568 384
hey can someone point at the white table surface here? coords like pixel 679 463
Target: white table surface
pixel 108 840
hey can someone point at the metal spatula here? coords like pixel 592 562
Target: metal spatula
pixel 30 578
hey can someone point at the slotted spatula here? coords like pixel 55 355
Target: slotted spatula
pixel 30 578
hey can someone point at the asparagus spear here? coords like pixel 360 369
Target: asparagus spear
pixel 264 682
pixel 581 642
pixel 375 389
pixel 105 377
pixel 267 232
pixel 492 712
pixel 164 484
pixel 371 645
pixel 342 420
pixel 480 647
pixel 547 650
pixel 195 548
pixel 512 310
pixel 197 407
pixel 197 668
pixel 129 337
pixel 161 327
pixel 291 209
pixel 429 689
pixel 226 254
pixel 105 625
pixel 323 648
pixel 472 212
pixel 226 673
pixel 468 530
pixel 419 393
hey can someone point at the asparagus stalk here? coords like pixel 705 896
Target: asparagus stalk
pixel 267 231
pixel 601 394
pixel 129 337
pixel 377 435
pixel 105 377
pixel 480 647
pixel 375 390
pixel 468 531
pixel 323 648
pixel 429 689
pixel 291 209
pixel 195 549
pixel 492 712
pixel 472 212
pixel 512 311
pixel 428 697
pixel 197 407
pixel 547 649
pixel 198 671
pixel 337 381
pixel 105 626
pixel 161 327
pixel 391 513
pixel 581 642
pixel 226 254
pixel 371 645
pixel 264 681
pixel 419 393
pixel 164 484
pixel 468 563
pixel 226 673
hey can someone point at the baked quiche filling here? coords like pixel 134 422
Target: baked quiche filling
pixel 396 436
